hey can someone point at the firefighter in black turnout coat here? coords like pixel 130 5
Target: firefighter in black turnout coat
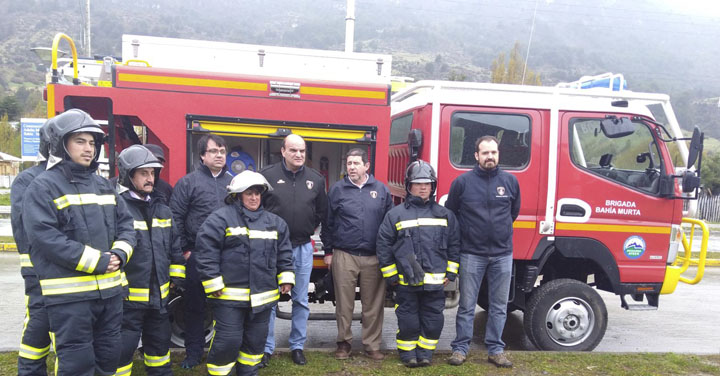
pixel 243 254
pixel 81 235
pixel 35 341
pixel 156 261
pixel 418 247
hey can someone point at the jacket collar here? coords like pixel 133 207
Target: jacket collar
pixel 416 201
pixel 290 173
pixel 206 170
pixel 485 173
pixel 348 183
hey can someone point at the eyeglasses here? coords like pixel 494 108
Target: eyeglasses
pixel 216 151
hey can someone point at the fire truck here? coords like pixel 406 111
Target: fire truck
pixel 602 204
pixel 602 198
pixel 171 92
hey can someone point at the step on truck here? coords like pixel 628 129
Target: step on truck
pixel 603 173
pixel 171 92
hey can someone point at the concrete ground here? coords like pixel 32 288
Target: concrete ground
pixel 686 322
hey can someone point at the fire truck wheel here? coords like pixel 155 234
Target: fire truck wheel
pixel 177 322
pixel 565 315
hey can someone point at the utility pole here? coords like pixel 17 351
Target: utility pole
pixel 86 41
pixel 349 26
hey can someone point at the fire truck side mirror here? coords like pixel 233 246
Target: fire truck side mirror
pixel 616 128
pixel 690 181
pixel 414 143
pixel 696 146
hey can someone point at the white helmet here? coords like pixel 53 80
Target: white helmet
pixel 244 180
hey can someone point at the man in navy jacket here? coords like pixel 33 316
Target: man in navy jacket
pixel 486 201
pixel 356 207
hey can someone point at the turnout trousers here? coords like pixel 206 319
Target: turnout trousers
pixel 86 336
pixel 35 340
pixel 420 321
pixel 194 304
pixel 153 326
pixel 239 339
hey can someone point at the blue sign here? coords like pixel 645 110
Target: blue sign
pixel 30 138
pixel 634 247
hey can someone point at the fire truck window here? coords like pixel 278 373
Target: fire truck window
pixel 632 160
pixel 511 130
pixel 399 129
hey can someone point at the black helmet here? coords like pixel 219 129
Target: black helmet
pixel 71 121
pixel 420 171
pixel 133 157
pixel 157 151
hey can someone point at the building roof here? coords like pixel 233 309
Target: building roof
pixel 9 158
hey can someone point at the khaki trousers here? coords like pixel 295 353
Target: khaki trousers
pixel 347 271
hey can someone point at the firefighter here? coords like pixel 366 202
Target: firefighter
pixel 243 253
pixel 35 341
pixel 156 262
pixel 82 236
pixel 418 248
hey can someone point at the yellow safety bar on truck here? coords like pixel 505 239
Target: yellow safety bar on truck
pixel 55 75
pixel 673 273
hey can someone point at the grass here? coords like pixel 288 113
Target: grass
pixel 5 199
pixel 7 239
pixel 526 363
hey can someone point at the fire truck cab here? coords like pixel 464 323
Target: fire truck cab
pixel 602 197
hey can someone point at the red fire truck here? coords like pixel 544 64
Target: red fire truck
pixel 602 199
pixel 175 105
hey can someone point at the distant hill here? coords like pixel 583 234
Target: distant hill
pixel 657 49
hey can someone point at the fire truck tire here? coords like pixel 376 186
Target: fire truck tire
pixel 177 323
pixel 565 315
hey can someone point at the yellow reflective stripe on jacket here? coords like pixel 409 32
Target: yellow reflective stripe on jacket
pixel 266 297
pixel 69 285
pixel 286 277
pixel 406 345
pixel 84 199
pixel 33 353
pixel 88 260
pixel 389 271
pixel 123 279
pixel 124 370
pixel 428 344
pixel 213 285
pixel 249 359
pixel 140 225
pixel 258 234
pixel 233 293
pixel 123 246
pixel 220 370
pixel 25 261
pixel 164 290
pixel 428 279
pixel 452 267
pixel 177 270
pixel 156 361
pixel 139 295
pixel 236 231
pixel 162 222
pixel 421 222
pixel 252 234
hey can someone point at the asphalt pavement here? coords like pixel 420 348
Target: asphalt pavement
pixel 686 321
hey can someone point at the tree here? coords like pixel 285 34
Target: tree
pixel 9 137
pixel 9 107
pixel 512 71
pixel 710 174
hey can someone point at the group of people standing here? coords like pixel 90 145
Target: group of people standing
pixel 99 259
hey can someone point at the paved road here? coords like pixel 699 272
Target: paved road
pixel 687 321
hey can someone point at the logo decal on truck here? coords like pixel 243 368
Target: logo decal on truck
pixel 634 247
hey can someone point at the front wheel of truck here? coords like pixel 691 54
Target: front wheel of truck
pixel 565 315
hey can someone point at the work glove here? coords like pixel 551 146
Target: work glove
pixel 407 263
